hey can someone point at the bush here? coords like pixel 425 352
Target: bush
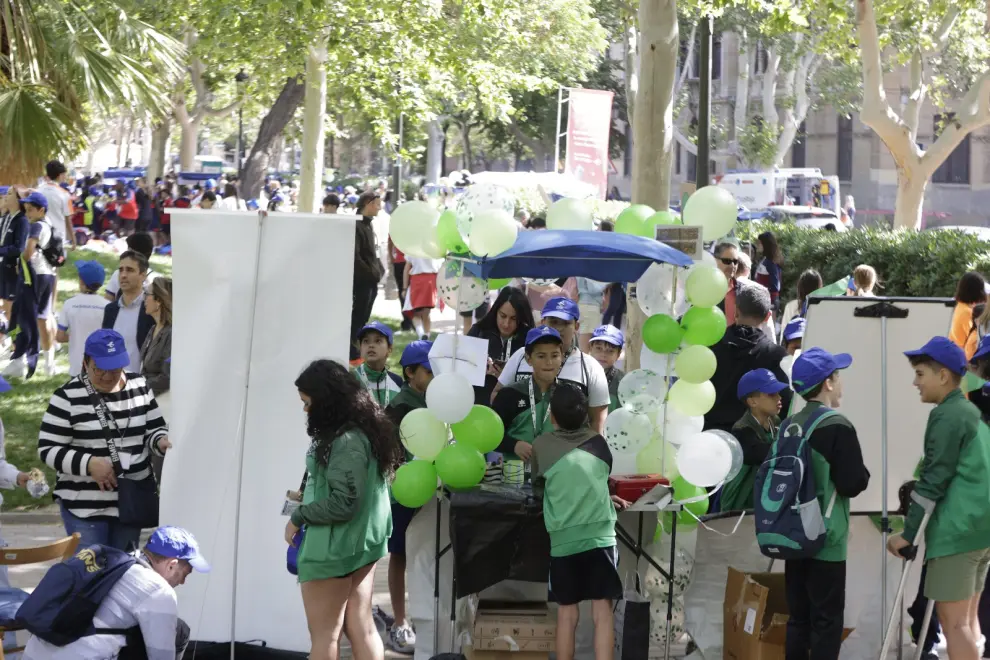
pixel 909 263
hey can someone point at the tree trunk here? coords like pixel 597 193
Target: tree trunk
pixel 156 159
pixel 466 141
pixel 911 186
pixel 188 145
pixel 256 164
pixel 741 111
pixel 653 129
pixel 434 151
pixel 314 114
pixel 631 70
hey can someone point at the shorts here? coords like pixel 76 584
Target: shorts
pixel 423 291
pixel 591 317
pixel 957 577
pixel 588 575
pixel 401 517
pixel 44 285
pixel 8 284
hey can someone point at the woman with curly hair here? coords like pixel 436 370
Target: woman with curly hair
pixel 345 509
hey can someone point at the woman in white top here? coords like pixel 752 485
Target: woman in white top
pixel 231 200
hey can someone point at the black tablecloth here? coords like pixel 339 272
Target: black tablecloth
pixel 497 533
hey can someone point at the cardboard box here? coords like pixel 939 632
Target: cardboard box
pixel 519 628
pixel 755 616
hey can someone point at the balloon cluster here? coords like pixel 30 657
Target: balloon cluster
pixel 426 435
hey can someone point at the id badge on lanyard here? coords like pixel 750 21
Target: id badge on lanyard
pixel 537 426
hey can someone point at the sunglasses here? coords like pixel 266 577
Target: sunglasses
pixel 729 262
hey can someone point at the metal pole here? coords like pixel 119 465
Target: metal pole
pixel 703 176
pixel 397 175
pixel 556 135
pixel 240 141
pixel 884 523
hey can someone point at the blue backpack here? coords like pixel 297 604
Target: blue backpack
pixel 61 608
pixel 789 520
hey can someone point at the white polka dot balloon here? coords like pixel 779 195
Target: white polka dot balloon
pixel 482 197
pixel 460 288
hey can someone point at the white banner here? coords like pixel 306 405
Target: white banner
pixel 294 272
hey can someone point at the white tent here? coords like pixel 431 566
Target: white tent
pixel 255 300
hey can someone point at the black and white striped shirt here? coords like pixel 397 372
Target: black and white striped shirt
pixel 71 435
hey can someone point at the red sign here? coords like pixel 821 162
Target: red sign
pixel 589 120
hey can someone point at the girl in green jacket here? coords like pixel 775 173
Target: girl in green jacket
pixel 345 508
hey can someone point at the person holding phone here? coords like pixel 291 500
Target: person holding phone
pixel 505 327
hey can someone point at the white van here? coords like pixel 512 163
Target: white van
pixel 798 186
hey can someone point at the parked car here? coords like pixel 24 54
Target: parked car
pixel 807 217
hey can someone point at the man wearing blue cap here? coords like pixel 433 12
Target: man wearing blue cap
pixel 375 340
pixel 794 334
pixel 756 430
pixel 82 314
pixel 606 347
pixel 563 316
pixel 816 593
pixel 954 485
pixel 143 598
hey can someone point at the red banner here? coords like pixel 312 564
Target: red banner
pixel 589 119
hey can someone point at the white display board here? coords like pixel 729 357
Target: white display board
pixel 833 324
pixel 255 300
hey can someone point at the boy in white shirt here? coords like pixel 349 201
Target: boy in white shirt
pixel 82 314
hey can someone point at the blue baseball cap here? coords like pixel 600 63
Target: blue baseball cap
pixel 210 184
pixel 379 327
pixel 178 543
pixel 814 365
pixel 95 191
pixel 562 308
pixel 37 199
pixel 982 350
pixel 417 353
pixel 795 329
pixel 944 351
pixel 609 334
pixel 92 273
pixel 107 349
pixel 759 380
pixel 542 332
pixel 4 386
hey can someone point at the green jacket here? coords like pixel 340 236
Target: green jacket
pixel 614 377
pixel 512 406
pixel 383 385
pixel 737 495
pixel 570 473
pixel 345 509
pixel 954 481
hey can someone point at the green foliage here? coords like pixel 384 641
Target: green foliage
pixel 909 263
pixel 758 144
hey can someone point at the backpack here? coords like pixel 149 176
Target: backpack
pixel 789 519
pixel 61 608
pixel 54 252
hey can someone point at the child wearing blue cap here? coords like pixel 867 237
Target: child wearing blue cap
pixel 606 347
pixel 953 482
pixel 793 335
pixel 815 587
pixel 375 342
pixel 82 314
pixel 756 430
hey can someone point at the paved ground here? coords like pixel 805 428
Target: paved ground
pixel 442 321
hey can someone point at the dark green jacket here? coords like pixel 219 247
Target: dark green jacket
pixel 614 377
pixel 345 508
pixel 512 406
pixel 737 495
pixel 954 481
pixel 570 473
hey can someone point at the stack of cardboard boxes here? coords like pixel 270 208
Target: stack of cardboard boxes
pixel 512 631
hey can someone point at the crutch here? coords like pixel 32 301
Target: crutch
pixel 909 554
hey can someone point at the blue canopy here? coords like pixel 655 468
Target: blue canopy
pixel 598 255
pixel 123 174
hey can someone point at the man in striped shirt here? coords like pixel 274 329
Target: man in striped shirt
pixel 73 442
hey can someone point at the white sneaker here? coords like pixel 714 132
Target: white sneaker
pixel 16 369
pixel 402 639
pixel 50 368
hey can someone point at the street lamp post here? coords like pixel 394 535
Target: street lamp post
pixel 240 79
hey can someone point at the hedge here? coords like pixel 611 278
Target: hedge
pixel 909 263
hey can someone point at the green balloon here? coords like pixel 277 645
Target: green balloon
pixel 662 334
pixel 447 233
pixel 703 326
pixel 685 491
pixel 706 286
pixel 633 220
pixel 663 218
pixel 499 284
pixel 658 457
pixel 423 434
pixel 481 429
pixel 460 466
pixel 414 484
pixel 695 364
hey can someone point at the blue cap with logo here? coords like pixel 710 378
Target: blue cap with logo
pixel 944 351
pixel 542 332
pixel 178 543
pixel 36 199
pixel 379 327
pixel 814 365
pixel 417 353
pixel 562 308
pixel 107 349
pixel 92 273
pixel 759 380
pixel 609 334
pixel 982 350
pixel 4 386
pixel 795 329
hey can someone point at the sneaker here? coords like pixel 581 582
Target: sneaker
pixel 16 369
pixel 402 639
pixel 50 368
pixel 383 620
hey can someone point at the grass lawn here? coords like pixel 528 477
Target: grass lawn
pixel 402 339
pixel 22 408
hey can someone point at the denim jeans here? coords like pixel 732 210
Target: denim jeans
pixel 104 531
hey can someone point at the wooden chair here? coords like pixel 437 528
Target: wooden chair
pixel 61 550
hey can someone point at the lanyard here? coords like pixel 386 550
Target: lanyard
pixel 507 349
pixel 538 430
pixel 381 392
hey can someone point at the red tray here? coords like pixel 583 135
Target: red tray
pixel 631 487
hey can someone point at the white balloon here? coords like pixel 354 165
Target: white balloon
pixel 482 197
pixel 654 361
pixel 450 397
pixel 654 289
pixel 459 288
pixel 569 213
pixel 679 428
pixel 642 390
pixel 492 232
pixel 735 448
pixel 411 224
pixel 708 259
pixel 627 431
pixel 705 460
